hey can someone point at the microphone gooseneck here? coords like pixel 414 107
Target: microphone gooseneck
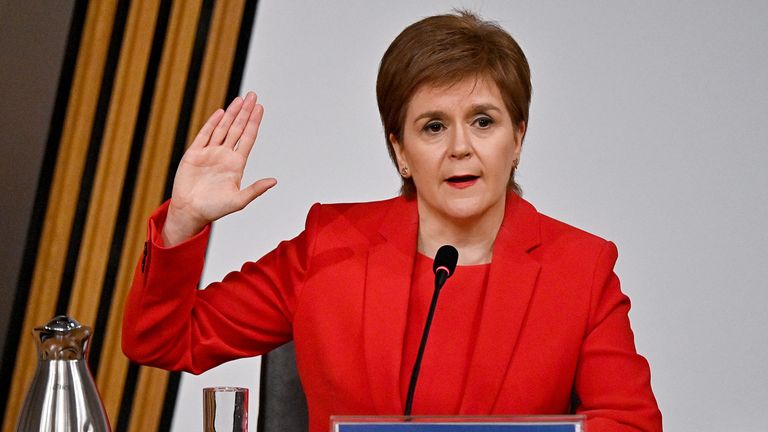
pixel 444 266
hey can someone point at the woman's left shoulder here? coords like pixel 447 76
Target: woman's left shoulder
pixel 561 237
pixel 556 230
pixel 564 249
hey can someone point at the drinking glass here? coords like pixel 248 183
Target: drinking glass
pixel 225 409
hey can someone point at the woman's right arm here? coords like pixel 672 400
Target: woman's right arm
pixel 171 324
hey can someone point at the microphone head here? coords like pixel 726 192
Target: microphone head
pixel 445 259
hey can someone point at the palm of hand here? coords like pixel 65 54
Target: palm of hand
pixel 208 181
pixel 207 185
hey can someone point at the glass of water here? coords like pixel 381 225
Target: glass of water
pixel 225 409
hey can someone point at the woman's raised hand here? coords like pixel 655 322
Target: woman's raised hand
pixel 207 182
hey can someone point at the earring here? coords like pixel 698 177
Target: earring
pixel 404 171
pixel 515 163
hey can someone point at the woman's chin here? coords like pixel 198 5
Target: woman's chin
pixel 465 209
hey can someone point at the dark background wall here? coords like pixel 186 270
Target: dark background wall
pixel 33 35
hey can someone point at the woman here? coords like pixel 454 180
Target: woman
pixel 532 322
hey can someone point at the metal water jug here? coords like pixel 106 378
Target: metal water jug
pixel 62 396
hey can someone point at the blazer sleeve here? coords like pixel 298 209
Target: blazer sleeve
pixel 171 324
pixel 613 382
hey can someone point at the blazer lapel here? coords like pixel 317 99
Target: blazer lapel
pixel 511 283
pixel 387 291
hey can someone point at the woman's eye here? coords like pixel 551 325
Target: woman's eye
pixel 433 127
pixel 484 122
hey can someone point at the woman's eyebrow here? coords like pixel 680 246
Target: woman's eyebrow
pixel 429 114
pixel 485 107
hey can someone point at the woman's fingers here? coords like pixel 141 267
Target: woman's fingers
pixel 251 130
pixel 217 138
pixel 255 190
pixel 202 138
pixel 231 126
pixel 238 125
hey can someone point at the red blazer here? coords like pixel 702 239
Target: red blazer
pixel 554 325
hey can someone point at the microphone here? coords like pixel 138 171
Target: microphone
pixel 444 266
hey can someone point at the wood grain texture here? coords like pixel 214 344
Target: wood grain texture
pixel 225 21
pixel 113 161
pixel 148 403
pixel 217 64
pixel 110 175
pixel 62 203
pixel 150 184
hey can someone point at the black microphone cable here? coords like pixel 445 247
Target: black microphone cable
pixel 443 267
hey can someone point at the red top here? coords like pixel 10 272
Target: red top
pixel 451 339
pixel 554 320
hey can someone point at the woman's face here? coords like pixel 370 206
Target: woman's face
pixel 459 144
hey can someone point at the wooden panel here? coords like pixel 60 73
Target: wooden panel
pixel 148 404
pixel 220 49
pixel 110 174
pixel 150 184
pixel 113 161
pixel 215 74
pixel 217 64
pixel 65 189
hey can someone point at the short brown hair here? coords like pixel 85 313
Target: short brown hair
pixel 443 50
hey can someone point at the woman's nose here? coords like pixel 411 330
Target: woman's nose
pixel 460 146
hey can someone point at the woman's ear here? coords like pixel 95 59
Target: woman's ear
pixel 519 136
pixel 399 153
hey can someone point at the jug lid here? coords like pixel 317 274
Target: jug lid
pixel 61 324
pixel 62 338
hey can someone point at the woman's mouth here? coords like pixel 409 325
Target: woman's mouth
pixel 462 181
